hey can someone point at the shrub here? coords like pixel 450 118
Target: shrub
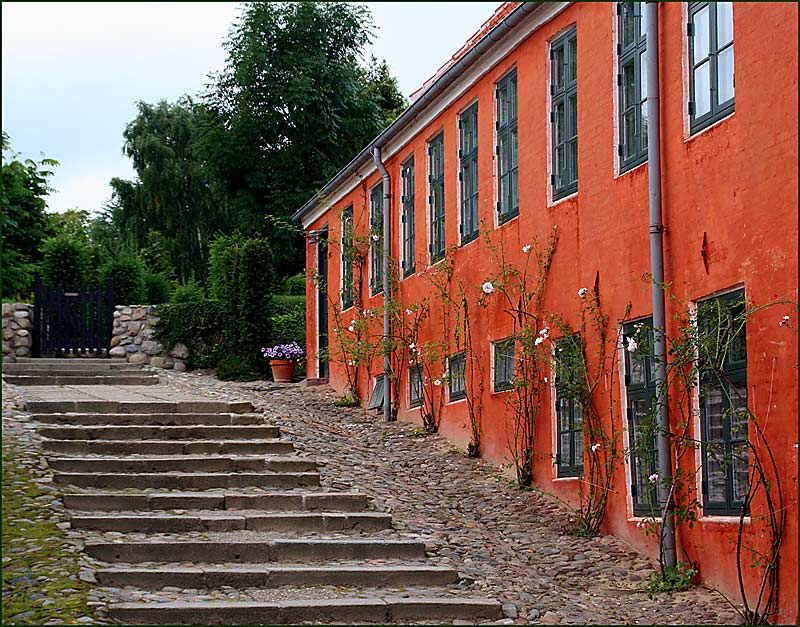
pixel 295 285
pixel 157 288
pixel 198 325
pixel 65 261
pixel 128 273
pixel 256 281
pixel 190 292
pixel 223 257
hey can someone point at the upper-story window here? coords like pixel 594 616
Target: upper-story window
pixel 376 238
pixel 468 172
pixel 711 76
pixel 347 257
pixel 436 198
pixel 507 148
pixel 632 84
pixel 564 113
pixel 407 215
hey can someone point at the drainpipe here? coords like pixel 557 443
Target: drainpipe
pixel 668 555
pixel 387 364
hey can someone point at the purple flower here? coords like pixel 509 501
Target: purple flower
pixel 283 351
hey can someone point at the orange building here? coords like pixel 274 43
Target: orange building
pixel 541 121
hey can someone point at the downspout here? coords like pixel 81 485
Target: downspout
pixel 387 297
pixel 668 553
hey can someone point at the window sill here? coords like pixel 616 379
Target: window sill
pixel 693 134
pixel 453 401
pixel 502 390
pixel 722 519
pixel 505 218
pixel 411 406
pixel 405 275
pixel 570 478
pixel 629 169
pixel 469 240
pixel 558 201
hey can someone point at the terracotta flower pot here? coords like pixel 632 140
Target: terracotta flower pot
pixel 283 370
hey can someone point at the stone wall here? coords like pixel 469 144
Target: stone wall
pixel 17 330
pixel 134 338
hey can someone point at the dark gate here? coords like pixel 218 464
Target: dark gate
pixel 73 319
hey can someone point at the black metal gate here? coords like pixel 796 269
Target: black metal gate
pixel 75 319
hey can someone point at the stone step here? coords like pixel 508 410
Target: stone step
pixel 188 480
pixel 219 419
pixel 211 577
pixel 80 379
pixel 35 369
pixel 138 407
pixel 275 501
pixel 245 521
pixel 72 361
pixel 280 550
pixel 169 447
pixel 161 433
pixel 380 610
pixel 182 463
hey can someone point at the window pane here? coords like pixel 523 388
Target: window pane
pixel 630 95
pixel 565 453
pixel 561 123
pixel 740 470
pixel 573 154
pixel 502 158
pixel 573 59
pixel 627 31
pixel 577 421
pixel 702 89
pixel 701 35
pixel 513 147
pixel 724 23
pixel 714 410
pixel 643 75
pixel 739 415
pixel 715 472
pixel 725 75
pixel 573 115
pixel 644 125
pixel 563 414
pixel 579 449
pixel 558 67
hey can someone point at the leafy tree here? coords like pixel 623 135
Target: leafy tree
pixel 157 288
pixel 293 105
pixel 22 217
pixel 65 260
pixel 127 270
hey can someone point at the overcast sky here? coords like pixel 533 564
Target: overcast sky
pixel 72 72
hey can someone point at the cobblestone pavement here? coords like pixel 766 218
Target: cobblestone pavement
pixel 512 545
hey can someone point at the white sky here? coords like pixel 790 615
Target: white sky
pixel 73 72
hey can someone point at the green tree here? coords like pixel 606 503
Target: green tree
pixel 65 260
pixel 22 217
pixel 293 105
pixel 127 271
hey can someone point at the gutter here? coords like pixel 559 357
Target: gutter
pixel 668 551
pixel 434 91
pixel 387 297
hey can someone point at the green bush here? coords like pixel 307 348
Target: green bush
pixel 198 325
pixel 190 292
pixel 223 258
pixel 256 282
pixel 288 320
pixel 128 273
pixel 65 261
pixel 157 288
pixel 295 285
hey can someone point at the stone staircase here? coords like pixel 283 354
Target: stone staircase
pixel 80 371
pixel 200 513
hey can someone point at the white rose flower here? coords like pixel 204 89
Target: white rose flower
pixel 583 292
pixel 595 447
pixel 653 478
pixel 487 287
pixel 526 249
pixel 538 341
pixel 632 345
pixel 409 312
pixel 437 381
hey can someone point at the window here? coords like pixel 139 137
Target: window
pixel 376 238
pixel 436 198
pixel 407 215
pixel 378 391
pixel 457 366
pixel 468 173
pixel 569 408
pixel 415 391
pixel 711 75
pixel 632 84
pixel 640 389
pixel 504 365
pixel 347 259
pixel 507 161
pixel 723 403
pixel 564 113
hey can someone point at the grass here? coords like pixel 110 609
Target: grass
pixel 37 548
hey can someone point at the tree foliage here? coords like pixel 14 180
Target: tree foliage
pixel 65 261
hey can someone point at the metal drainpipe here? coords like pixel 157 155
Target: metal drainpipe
pixel 657 270
pixel 387 297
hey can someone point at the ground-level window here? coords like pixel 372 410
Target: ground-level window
pixel 724 416
pixel 640 391
pixel 504 365
pixel 569 406
pixel 347 257
pixel 407 215
pixel 456 366
pixel 415 390
pixel 376 238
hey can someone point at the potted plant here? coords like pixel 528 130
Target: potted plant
pixel 283 360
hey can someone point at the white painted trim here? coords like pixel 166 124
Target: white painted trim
pixel 554 418
pixel 626 438
pixel 468 79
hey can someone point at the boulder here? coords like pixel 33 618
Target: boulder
pixel 139 313
pixel 22 351
pixel 118 351
pixel 22 341
pixel 115 341
pixel 179 366
pixel 22 314
pixel 22 307
pixel 24 323
pixel 131 348
pixel 151 347
pixel 8 334
pixel 162 362
pixel 179 351
pixel 138 358
pixel 22 333
pixel 8 309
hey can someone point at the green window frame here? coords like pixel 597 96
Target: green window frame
pixel 632 85
pixel 407 215
pixel 376 238
pixel 507 148
pixel 712 88
pixel 564 113
pixel 724 416
pixel 504 365
pixel 347 261
pixel 468 172
pixel 457 367
pixel 436 198
pixel 569 410
pixel 640 392
pixel 415 386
